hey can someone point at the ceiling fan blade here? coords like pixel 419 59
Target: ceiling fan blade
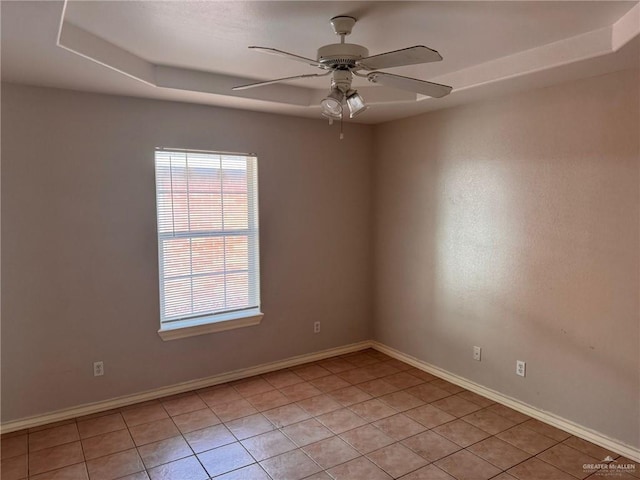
pixel 422 87
pixel 277 80
pixel 291 56
pixel 398 58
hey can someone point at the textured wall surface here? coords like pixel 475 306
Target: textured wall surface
pixel 513 225
pixel 79 245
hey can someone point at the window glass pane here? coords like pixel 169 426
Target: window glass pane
pixel 176 257
pixel 207 233
pixel 237 257
pixel 208 255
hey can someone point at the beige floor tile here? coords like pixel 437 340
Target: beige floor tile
pixel 14 468
pixel 188 422
pixel 430 472
pixel 357 375
pixel 251 472
pixel 268 445
pixel 13 446
pixel 286 415
pixel 401 401
pixel 145 414
pixel 535 469
pixel 634 467
pixel 136 476
pixel 568 460
pixel 183 404
pixel 589 448
pixel 218 395
pixel 324 420
pixel 448 386
pixel 456 406
pixel 225 459
pixel 53 436
pixel 377 387
pixel 282 378
pixel 250 426
pixel 330 452
pixel 367 438
pixel 546 430
pixel 306 432
pixel 428 393
pixel 186 468
pixel 403 380
pixel 399 426
pixel 461 432
pixel 49 426
pixel 349 396
pixel 488 421
pixel 164 451
pixel 106 444
pixel 431 446
pixel 336 365
pixel 328 383
pixel 233 410
pixel 421 374
pixel 499 453
pixel 397 460
pixel 209 438
pixel 360 468
pixel 340 421
pixel 526 439
pixel 154 431
pixel 398 364
pixel 373 410
pixel 475 398
pixel 115 466
pixel 311 372
pixel 319 404
pixel 268 400
pixel 464 465
pixel 72 472
pixel 509 413
pixel 429 416
pixel 101 425
pixel 300 391
pixel 252 386
pixel 55 457
pixel 293 465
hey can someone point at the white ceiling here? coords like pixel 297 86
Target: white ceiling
pixel 177 47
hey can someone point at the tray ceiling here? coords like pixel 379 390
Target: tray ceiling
pixel 195 51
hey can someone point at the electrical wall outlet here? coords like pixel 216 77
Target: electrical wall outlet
pixel 477 353
pixel 316 327
pixel 98 369
pixel 521 368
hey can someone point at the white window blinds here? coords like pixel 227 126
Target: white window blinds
pixel 207 234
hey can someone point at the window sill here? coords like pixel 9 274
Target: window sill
pixel 211 324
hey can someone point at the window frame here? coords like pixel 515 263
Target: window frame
pixel 204 323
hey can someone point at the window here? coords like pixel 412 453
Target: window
pixel 207 205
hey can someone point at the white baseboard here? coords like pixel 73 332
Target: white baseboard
pixel 546 417
pixel 554 420
pixel 101 406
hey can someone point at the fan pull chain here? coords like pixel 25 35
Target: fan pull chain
pixel 341 134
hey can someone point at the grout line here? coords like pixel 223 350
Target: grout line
pixel 291 401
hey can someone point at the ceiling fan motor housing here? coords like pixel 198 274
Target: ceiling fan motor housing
pixel 341 55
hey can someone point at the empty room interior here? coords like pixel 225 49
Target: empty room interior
pixel 321 240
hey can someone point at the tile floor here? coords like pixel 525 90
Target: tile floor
pixel 361 416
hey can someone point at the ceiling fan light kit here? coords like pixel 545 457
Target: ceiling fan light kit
pixel 343 60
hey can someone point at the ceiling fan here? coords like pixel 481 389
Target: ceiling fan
pixel 344 60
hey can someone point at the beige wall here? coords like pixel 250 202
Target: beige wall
pixel 510 224
pixel 79 248
pixel 513 225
